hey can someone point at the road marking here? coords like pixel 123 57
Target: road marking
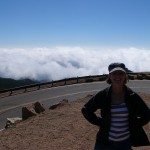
pixel 139 87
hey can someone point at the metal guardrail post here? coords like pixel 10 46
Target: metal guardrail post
pixel 10 92
pixel 38 87
pixel 65 82
pixel 25 90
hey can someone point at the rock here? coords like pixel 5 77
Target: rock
pixel 103 78
pixel 139 77
pixel 147 77
pixel 39 107
pixel 132 77
pixel 28 111
pixel 11 122
pixel 89 80
pixel 32 110
pixel 61 103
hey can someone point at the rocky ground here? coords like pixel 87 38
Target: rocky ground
pixel 62 128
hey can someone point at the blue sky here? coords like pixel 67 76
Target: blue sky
pixel 46 23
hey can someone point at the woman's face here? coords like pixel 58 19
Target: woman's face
pixel 117 77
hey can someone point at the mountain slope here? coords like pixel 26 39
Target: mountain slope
pixel 7 83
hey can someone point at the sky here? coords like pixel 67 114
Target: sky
pixel 55 39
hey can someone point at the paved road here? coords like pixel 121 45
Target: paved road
pixel 11 106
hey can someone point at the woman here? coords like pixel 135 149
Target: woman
pixel 123 113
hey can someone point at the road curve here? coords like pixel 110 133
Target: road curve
pixel 11 106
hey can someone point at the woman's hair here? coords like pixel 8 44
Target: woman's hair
pixel 109 81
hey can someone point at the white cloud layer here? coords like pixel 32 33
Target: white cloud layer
pixel 63 62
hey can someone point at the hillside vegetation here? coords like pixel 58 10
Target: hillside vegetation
pixel 7 83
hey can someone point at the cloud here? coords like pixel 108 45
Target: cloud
pixel 46 64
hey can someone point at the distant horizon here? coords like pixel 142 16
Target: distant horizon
pixel 64 62
pixel 71 77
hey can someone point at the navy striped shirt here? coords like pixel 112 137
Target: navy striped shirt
pixel 119 128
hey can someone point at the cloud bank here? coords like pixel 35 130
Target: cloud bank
pixel 46 64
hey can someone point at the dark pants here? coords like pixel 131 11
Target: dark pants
pixel 123 145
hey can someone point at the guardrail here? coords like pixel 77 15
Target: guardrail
pixel 68 81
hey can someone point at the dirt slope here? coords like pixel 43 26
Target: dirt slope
pixel 63 128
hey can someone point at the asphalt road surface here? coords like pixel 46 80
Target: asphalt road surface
pixel 11 106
